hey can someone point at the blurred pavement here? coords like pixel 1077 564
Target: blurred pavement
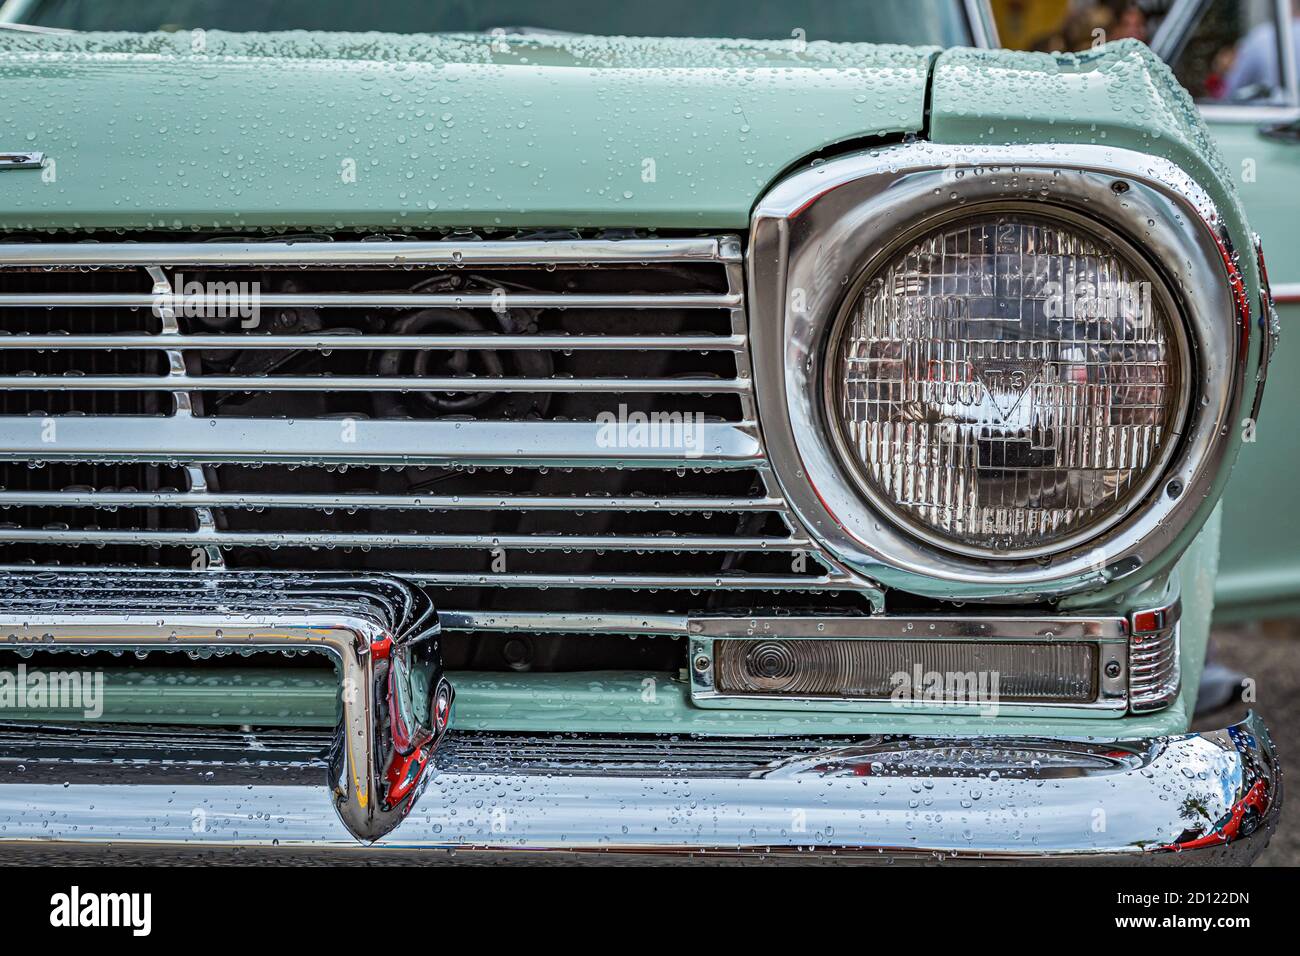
pixel 1269 653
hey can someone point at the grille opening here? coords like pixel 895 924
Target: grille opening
pixel 581 314
pixel 429 565
pixel 619 278
pixel 515 653
pixel 240 306
pixel 42 363
pixel 651 484
pixel 726 601
pixel 487 521
pixel 80 477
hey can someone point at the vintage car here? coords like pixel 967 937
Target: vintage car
pixel 518 434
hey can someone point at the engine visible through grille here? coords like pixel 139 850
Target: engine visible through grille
pixel 552 424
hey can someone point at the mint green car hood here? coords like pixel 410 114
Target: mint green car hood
pixel 370 131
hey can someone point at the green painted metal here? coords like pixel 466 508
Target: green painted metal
pixel 1260 568
pixel 366 131
pixel 206 696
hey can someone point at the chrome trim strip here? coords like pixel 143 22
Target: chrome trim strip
pixel 12 13
pixel 249 501
pixel 21 160
pixel 815 230
pixel 378 441
pixel 1155 657
pixel 829 581
pixel 939 627
pixel 1284 17
pixel 1038 800
pixel 302 539
pixel 396 300
pixel 983 25
pixel 1226 113
pixel 368 383
pixel 566 343
pixel 1174 30
pixel 382 252
pixel 561 622
pixel 1270 330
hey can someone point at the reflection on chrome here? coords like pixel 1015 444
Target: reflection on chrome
pixel 1197 798
pixel 381 633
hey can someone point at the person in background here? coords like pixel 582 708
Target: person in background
pixel 1255 71
pixel 1216 81
pixel 1095 23
pixel 1129 22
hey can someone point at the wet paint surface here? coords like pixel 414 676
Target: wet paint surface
pixel 370 131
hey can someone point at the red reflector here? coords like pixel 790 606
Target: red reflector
pixel 1144 621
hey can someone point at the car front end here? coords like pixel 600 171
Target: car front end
pixel 511 446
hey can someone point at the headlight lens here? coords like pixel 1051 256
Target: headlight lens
pixel 1009 383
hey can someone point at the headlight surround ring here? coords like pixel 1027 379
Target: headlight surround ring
pixel 818 232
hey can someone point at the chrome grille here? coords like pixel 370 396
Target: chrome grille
pixel 466 388
pixel 1154 672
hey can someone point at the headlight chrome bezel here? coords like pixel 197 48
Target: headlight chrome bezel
pixel 821 231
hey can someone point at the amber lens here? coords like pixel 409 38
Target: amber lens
pixel 1009 382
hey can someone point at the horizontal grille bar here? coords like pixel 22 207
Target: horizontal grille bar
pixel 196 499
pixel 465 300
pixel 558 622
pixel 565 343
pixel 399 253
pixel 181 438
pixel 344 383
pixel 285 539
pixel 665 582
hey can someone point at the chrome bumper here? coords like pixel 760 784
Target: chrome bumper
pixel 1211 797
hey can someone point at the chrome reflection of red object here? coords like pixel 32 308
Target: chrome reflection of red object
pixel 404 773
pixel 414 738
pixel 1230 825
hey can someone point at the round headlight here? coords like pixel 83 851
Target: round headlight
pixel 1009 383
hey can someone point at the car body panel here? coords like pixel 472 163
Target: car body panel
pixel 1260 567
pixel 373 132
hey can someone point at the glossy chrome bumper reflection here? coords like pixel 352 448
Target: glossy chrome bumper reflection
pixel 380 632
pixel 1205 797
